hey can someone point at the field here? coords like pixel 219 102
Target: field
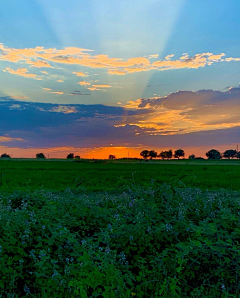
pixel 107 175
pixel 119 229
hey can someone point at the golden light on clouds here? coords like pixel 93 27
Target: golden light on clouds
pixel 23 72
pixel 42 57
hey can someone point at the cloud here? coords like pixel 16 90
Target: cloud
pixel 185 112
pixel 205 118
pixel 64 109
pixel 44 72
pixel 23 72
pixel 42 57
pixel 153 56
pixel 19 97
pixel 101 86
pixel 84 83
pixel 47 89
pixel 117 72
pixel 39 63
pixel 80 74
pixel 60 81
pixel 98 87
pixel 79 93
pixel 57 92
pixel 6 139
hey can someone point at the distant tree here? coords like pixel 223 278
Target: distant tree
pixel 213 154
pixel 152 154
pixel 230 153
pixel 238 155
pixel 40 155
pixel 111 157
pixel 77 157
pixel 145 154
pixel 192 156
pixel 163 154
pixel 179 153
pixel 5 155
pixel 70 156
pixel 169 154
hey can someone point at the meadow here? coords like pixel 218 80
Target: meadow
pixel 119 229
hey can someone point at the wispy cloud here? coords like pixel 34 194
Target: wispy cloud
pixel 80 74
pixel 23 72
pixel 84 83
pixel 47 89
pixel 6 139
pixel 42 57
pixel 57 92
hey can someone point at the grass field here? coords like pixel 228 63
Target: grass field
pixel 119 229
pixel 106 175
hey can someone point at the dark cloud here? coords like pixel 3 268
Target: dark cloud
pixel 184 118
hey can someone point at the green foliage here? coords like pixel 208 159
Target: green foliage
pixel 162 240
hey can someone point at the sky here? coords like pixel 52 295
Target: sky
pixel 116 77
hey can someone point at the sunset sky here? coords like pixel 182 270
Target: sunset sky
pixel 116 77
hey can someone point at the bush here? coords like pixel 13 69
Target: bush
pixel 159 241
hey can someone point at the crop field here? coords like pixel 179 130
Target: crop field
pixel 107 175
pixel 79 229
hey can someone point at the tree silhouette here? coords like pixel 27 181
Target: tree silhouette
pixel 145 154
pixel 192 156
pixel 169 154
pixel 5 155
pixel 213 154
pixel 111 156
pixel 238 155
pixel 179 153
pixel 40 155
pixel 230 153
pixel 166 154
pixel 152 154
pixel 70 156
pixel 77 157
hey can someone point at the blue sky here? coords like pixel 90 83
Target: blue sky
pixel 121 54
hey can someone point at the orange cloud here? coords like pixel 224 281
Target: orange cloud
pixel 39 63
pixel 40 57
pixel 102 86
pixel 60 81
pixel 5 139
pixel 232 59
pixel 80 74
pixel 23 72
pixel 117 72
pixel 47 89
pixel 57 92
pixel 44 72
pixel 19 97
pixel 84 83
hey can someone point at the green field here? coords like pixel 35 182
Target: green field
pixel 119 229
pixel 106 175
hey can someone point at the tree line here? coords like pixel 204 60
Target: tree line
pixel 211 154
pixel 168 154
